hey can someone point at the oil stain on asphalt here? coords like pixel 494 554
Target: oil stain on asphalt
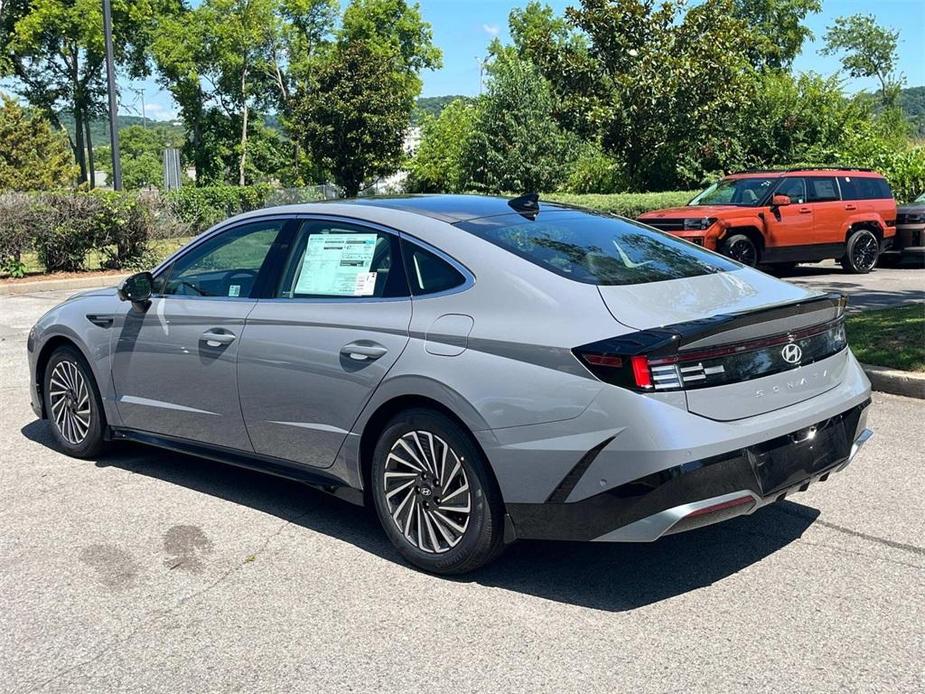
pixel 186 545
pixel 115 568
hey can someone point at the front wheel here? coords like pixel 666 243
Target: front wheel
pixel 861 252
pixel 741 248
pixel 73 404
pixel 434 495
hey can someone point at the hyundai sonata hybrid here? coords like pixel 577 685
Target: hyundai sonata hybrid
pixel 477 369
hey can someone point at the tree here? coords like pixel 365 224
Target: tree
pixel 867 50
pixel 437 166
pixel 33 156
pixel 355 127
pixel 142 155
pixel 54 51
pixel 516 145
pixel 355 104
pixel 777 28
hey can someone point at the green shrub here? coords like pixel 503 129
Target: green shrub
pixel 593 171
pixel 203 207
pixel 16 231
pixel 624 204
pixel 67 234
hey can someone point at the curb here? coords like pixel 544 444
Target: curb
pixel 95 282
pixel 907 383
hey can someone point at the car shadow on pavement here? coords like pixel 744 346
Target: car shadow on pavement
pixel 612 577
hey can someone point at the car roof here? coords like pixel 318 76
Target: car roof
pixel 809 171
pixel 448 208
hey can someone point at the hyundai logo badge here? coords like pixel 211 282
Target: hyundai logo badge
pixel 792 353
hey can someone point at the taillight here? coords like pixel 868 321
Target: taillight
pixel 632 372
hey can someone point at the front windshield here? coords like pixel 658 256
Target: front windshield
pixel 747 192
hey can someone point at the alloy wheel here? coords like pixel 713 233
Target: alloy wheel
pixel 744 252
pixel 69 395
pixel 864 252
pixel 427 492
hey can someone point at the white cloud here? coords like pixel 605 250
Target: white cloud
pixel 490 29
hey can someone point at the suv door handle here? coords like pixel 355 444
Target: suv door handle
pixel 363 351
pixel 805 210
pixel 851 207
pixel 213 338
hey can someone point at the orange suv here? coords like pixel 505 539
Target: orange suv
pixel 781 218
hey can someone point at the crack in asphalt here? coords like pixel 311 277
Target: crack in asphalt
pixel 902 546
pixel 159 615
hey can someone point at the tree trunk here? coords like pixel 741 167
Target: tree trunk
pixel 243 127
pixel 91 166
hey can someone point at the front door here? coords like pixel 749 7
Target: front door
pixel 174 364
pixel 312 356
pixel 789 225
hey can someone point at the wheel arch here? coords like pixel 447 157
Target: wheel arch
pixel 749 230
pixel 870 224
pixel 41 362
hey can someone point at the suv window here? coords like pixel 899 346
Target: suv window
pixel 864 188
pixel 334 259
pixel 427 272
pixel 597 249
pixel 821 189
pixel 226 265
pixel 793 188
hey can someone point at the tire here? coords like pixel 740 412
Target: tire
pixel 424 531
pixel 861 252
pixel 73 404
pixel 741 248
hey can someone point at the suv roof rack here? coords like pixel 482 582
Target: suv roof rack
pixel 827 167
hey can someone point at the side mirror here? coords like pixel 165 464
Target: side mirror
pixel 780 200
pixel 136 288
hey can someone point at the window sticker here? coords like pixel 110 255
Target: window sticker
pixel 338 265
pixel 234 290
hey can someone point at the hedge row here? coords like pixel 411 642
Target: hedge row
pixel 63 228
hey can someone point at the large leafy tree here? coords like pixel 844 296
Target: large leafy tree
pixel 355 102
pixel 777 29
pixel 438 164
pixel 54 51
pixel 33 155
pixel 515 145
pixel 867 50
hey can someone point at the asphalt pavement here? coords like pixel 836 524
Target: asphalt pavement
pixel 156 572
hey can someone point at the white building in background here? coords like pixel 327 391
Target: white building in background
pixel 395 183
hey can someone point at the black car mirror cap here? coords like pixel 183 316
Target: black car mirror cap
pixel 137 288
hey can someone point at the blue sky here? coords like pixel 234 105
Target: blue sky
pixel 463 29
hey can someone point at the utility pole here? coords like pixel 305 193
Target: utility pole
pixel 111 79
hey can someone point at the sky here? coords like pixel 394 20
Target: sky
pixel 464 28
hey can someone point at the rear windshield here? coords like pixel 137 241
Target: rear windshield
pixel 597 249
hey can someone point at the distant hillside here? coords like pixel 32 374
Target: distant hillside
pixel 433 105
pixel 912 101
pixel 99 128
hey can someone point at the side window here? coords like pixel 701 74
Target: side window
pixel 821 189
pixel 849 188
pixel 427 272
pixel 794 188
pixel 226 265
pixel 331 259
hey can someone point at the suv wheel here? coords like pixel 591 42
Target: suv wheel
pixel 73 404
pixel 741 248
pixel 861 252
pixel 434 496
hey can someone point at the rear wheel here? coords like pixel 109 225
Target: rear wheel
pixel 433 494
pixel 741 248
pixel 861 252
pixel 73 404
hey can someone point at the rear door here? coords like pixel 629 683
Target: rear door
pixel 174 364
pixel 317 347
pixel 828 210
pixel 790 225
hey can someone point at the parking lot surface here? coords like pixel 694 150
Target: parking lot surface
pixel 879 289
pixel 151 571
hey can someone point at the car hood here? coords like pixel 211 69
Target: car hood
pixel 917 207
pixel 690 211
pixel 102 291
pixel 657 304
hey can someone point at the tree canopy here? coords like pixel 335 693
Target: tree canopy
pixel 33 156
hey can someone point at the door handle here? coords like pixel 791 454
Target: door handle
pixel 214 338
pixel 363 351
pixel 851 207
pixel 805 210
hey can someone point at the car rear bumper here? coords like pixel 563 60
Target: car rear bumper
pixel 702 492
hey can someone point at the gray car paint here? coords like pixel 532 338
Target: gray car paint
pixel 532 407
